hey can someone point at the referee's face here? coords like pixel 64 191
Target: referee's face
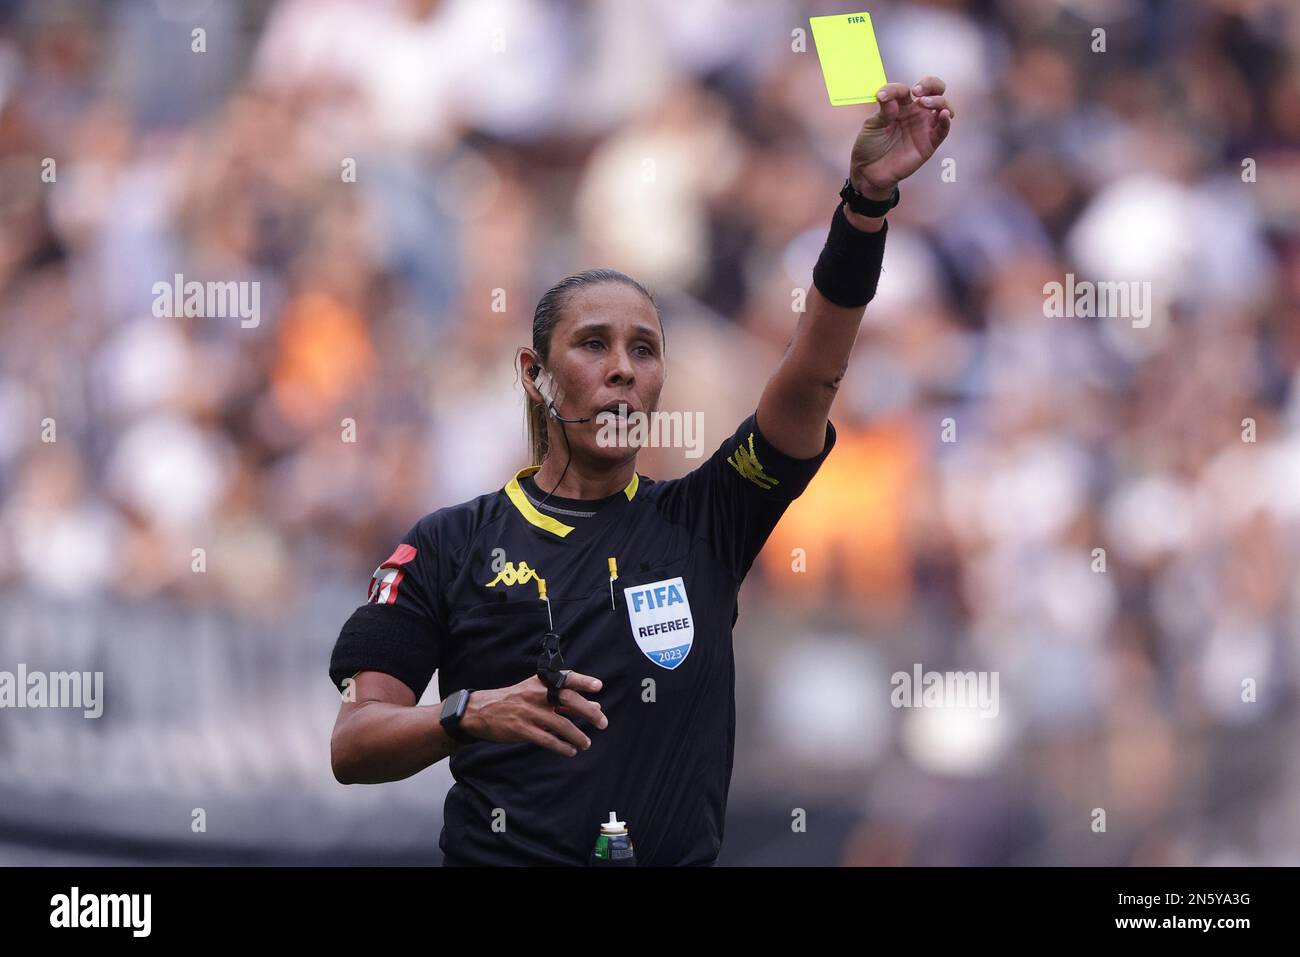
pixel 606 350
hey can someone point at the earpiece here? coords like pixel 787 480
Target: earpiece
pixel 542 379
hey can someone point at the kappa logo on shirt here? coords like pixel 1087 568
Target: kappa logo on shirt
pixel 384 582
pixel 745 461
pixel 662 624
pixel 510 574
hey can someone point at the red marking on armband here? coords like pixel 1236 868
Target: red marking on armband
pixel 401 555
pixel 389 575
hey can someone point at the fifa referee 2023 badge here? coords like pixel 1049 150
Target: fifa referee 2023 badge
pixel 579 616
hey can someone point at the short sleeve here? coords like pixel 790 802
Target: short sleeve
pixel 399 630
pixel 735 499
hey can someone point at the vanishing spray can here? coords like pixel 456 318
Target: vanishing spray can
pixel 614 845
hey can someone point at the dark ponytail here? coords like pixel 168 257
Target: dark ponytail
pixel 550 310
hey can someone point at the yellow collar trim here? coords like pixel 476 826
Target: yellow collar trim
pixel 548 522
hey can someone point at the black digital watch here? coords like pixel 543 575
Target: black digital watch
pixel 864 206
pixel 453 709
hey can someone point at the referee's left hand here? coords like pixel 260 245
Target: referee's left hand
pixel 896 140
pixel 522 713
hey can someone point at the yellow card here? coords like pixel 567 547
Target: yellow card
pixel 850 59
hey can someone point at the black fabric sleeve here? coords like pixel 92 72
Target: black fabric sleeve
pixel 399 630
pixel 848 269
pixel 735 499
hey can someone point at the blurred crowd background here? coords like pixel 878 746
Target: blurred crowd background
pixel 499 145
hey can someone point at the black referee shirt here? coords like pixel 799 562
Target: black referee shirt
pixel 459 595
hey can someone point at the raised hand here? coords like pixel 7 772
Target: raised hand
pixel 896 140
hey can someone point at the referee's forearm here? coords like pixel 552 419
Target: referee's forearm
pixel 797 400
pixel 381 741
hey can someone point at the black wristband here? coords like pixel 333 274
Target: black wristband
pixel 849 266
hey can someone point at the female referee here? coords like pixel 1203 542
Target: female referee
pixel 580 618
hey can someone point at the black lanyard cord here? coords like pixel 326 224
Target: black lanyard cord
pixel 550 662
